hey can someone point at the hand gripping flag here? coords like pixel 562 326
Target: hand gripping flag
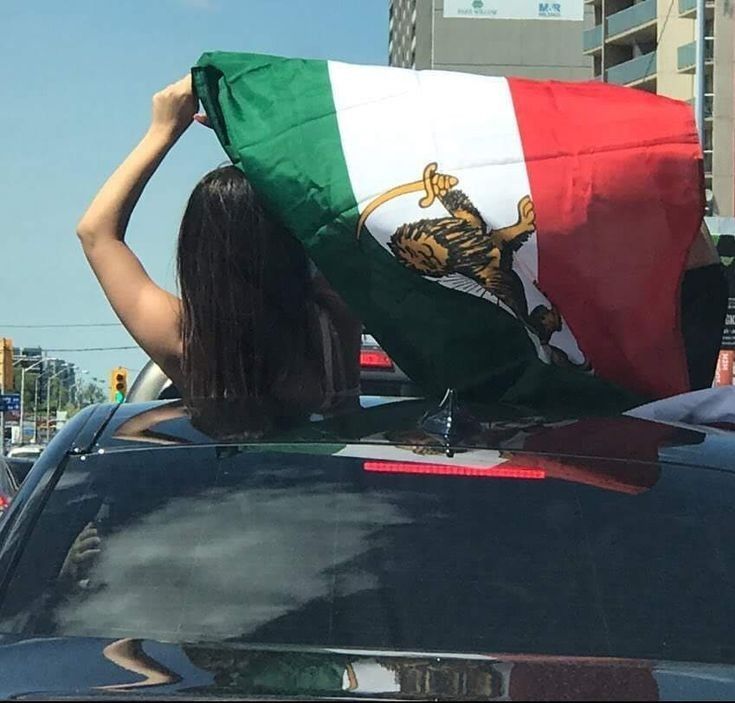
pixel 519 240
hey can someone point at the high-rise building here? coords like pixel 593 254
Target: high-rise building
pixel 650 44
pixel 646 44
pixel 468 35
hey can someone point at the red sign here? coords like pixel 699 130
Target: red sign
pixel 724 373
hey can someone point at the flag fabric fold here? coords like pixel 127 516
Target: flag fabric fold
pixel 519 240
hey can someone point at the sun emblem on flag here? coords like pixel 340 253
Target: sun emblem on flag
pixel 462 243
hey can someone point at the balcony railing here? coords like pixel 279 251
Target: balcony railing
pixel 707 160
pixel 632 71
pixel 592 38
pixel 631 17
pixel 688 8
pixel 687 53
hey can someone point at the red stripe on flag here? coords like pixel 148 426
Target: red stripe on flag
pixel 616 178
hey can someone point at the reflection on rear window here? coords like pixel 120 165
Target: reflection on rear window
pixel 193 544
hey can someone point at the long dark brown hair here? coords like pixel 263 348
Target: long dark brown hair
pixel 247 324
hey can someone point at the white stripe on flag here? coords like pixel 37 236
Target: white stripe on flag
pixel 394 122
pixel 480 458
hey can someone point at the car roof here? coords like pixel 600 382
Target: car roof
pixel 126 439
pixel 73 666
pixel 383 422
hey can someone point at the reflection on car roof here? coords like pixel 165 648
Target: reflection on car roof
pixel 712 406
pixel 397 424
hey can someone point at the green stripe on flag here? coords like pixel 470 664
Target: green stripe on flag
pixel 276 119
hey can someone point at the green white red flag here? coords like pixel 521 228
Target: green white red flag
pixel 518 239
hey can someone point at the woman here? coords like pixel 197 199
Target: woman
pixel 704 297
pixel 252 326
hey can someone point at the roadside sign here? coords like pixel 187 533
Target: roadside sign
pixel 514 9
pixel 9 402
pixel 728 335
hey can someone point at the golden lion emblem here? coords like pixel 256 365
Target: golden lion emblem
pixel 462 243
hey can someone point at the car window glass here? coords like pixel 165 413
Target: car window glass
pixel 208 544
pixel 26 455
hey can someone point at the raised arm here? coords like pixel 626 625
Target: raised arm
pixel 148 312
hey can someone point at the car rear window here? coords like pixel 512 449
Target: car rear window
pixel 291 547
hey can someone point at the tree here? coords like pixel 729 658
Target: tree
pixel 84 394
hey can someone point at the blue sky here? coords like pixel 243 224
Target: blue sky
pixel 77 84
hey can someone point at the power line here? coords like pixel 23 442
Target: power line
pixel 71 324
pixel 92 349
pixel 666 21
pixel 660 37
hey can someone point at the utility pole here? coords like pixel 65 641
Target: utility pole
pixel 23 372
pixel 48 402
pixel 35 410
pixel 700 58
pixel 6 381
pixel 48 407
pixel 23 390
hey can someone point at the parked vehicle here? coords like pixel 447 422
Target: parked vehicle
pixel 400 550
pixel 379 374
pixel 8 484
pixel 20 467
pixel 26 451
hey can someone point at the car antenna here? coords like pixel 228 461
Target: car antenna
pixel 449 421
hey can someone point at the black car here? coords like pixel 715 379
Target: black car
pixel 19 467
pixel 398 550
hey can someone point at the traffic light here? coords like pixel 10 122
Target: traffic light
pixel 118 384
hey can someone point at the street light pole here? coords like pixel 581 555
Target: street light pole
pixel 23 372
pixel 76 387
pixel 48 402
pixel 35 410
pixel 79 388
pixel 2 414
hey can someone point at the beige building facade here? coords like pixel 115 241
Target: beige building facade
pixel 646 44
pixel 430 34
pixel 650 44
